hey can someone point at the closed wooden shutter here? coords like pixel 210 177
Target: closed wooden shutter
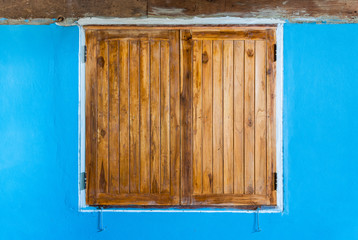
pixel 231 96
pixel 180 117
pixel 132 120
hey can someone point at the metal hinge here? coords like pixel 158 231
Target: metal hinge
pixel 83 180
pixel 275 181
pixel 275 52
pixel 84 53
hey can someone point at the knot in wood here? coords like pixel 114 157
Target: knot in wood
pixel 249 123
pixel 250 52
pixel 103 132
pixel 205 57
pixel 100 61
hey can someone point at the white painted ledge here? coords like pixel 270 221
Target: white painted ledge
pixel 176 21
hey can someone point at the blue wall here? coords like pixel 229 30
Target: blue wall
pixel 38 144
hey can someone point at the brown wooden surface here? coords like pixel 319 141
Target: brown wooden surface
pixel 207 68
pixel 144 116
pixel 113 106
pixel 271 115
pixel 238 85
pixel 238 161
pixel 123 117
pixel 174 109
pixel 131 155
pixel 91 117
pixel 102 116
pixel 134 102
pixel 186 117
pixel 249 116
pixel 228 112
pixel 180 118
pixel 218 117
pixel 197 118
pixel 345 10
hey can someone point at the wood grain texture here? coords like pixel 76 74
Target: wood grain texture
pixel 164 118
pixel 271 116
pixel 207 82
pixel 238 102
pixel 113 103
pixel 278 9
pixel 197 118
pixel 228 106
pixel 155 115
pixel 174 82
pixel 239 63
pixel 123 117
pixel 144 117
pixel 260 117
pixel 345 10
pixel 249 99
pixel 134 118
pixel 218 157
pixel 191 127
pixel 134 102
pixel 91 117
pixel 186 117
pixel 102 116
pixel 231 199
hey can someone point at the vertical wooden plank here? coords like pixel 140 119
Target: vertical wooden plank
pixel 197 117
pixel 186 116
pixel 155 114
pixel 123 117
pixel 164 118
pixel 134 158
pixel 102 129
pixel 271 116
pixel 260 118
pixel 174 115
pixel 207 117
pixel 228 117
pixel 144 118
pixel 91 116
pixel 249 116
pixel 238 117
pixel 113 118
pixel 217 118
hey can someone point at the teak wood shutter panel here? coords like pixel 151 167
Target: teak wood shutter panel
pixel 204 137
pixel 132 120
pixel 229 84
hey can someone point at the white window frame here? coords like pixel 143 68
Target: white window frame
pixel 82 206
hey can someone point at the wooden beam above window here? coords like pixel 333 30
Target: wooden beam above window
pixel 293 10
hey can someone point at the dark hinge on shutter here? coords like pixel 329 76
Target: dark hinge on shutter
pixel 275 181
pixel 275 52
pixel 84 53
pixel 83 180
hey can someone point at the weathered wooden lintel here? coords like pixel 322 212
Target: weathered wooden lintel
pixel 48 11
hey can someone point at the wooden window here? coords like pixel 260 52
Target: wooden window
pixel 181 116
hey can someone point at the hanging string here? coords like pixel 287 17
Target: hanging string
pixel 257 225
pixel 100 220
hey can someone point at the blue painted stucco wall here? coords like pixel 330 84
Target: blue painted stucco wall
pixel 39 144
